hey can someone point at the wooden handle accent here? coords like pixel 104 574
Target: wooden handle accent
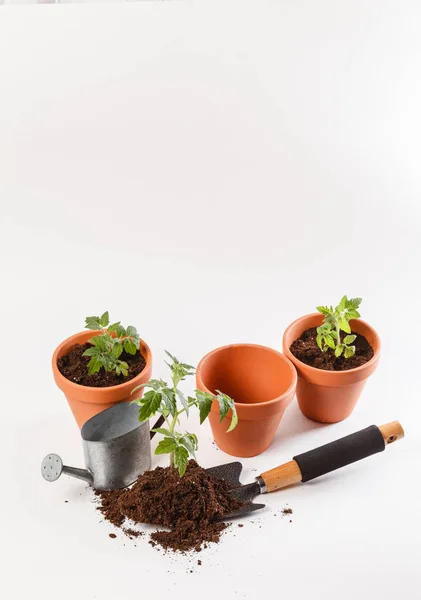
pixel 282 476
pixel 392 432
pixel 290 473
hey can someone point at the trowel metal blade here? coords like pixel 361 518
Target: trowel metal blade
pixel 244 510
pixel 231 474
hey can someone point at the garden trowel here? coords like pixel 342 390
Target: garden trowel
pixel 308 465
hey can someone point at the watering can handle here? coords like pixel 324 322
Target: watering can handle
pixel 159 422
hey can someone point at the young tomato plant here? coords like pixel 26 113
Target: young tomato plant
pixel 170 402
pixel 108 346
pixel 337 320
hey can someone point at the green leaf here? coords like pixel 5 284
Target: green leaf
pixel 117 349
pixel 124 367
pixel 187 367
pixel 130 347
pixel 105 319
pixel 189 441
pixel 342 304
pixel 150 403
pixel 194 440
pixel 92 323
pixel 354 302
pixel 169 399
pixel 193 401
pixel 173 358
pixel 178 370
pixel 183 401
pixel 91 351
pixel 352 314
pixel 349 351
pixel 339 349
pixel 155 384
pixel 166 446
pixel 131 330
pixel 334 334
pixel 95 364
pixel 329 341
pixel 319 340
pixel 349 339
pixel 181 459
pixel 99 342
pixel 225 405
pixel 344 325
pixel 205 403
pixel 323 309
pixel 113 327
pixel 325 328
pixel 120 331
pixel 163 431
pixel 234 419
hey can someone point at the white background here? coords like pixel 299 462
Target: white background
pixel 208 173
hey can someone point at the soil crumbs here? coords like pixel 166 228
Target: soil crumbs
pixel 305 348
pixel 74 367
pixel 188 507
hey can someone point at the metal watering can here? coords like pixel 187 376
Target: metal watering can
pixel 116 446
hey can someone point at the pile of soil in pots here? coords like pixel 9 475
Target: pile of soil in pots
pixel 305 348
pixel 74 367
pixel 187 506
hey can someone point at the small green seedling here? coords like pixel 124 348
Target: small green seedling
pixel 170 402
pixel 108 346
pixel 335 321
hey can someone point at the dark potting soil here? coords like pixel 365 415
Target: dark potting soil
pixel 187 506
pixel 132 533
pixel 74 367
pixel 305 348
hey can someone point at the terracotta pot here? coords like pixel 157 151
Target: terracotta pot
pixel 85 401
pixel 262 383
pixel 329 396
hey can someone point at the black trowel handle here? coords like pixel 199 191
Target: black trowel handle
pixel 332 456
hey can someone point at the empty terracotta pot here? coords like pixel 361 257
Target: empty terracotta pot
pixel 85 402
pixel 329 396
pixel 262 383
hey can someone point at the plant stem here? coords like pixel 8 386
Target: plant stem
pixel 338 332
pixel 166 421
pixel 190 404
pixel 172 427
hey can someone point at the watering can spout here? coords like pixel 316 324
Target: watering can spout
pixel 83 474
pixel 52 467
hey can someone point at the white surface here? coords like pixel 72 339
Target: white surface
pixel 209 174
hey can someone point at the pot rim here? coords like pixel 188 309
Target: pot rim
pixel 249 406
pixel 73 339
pixel 325 372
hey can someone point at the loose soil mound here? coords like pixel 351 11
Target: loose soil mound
pixel 189 506
pixel 305 348
pixel 74 367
